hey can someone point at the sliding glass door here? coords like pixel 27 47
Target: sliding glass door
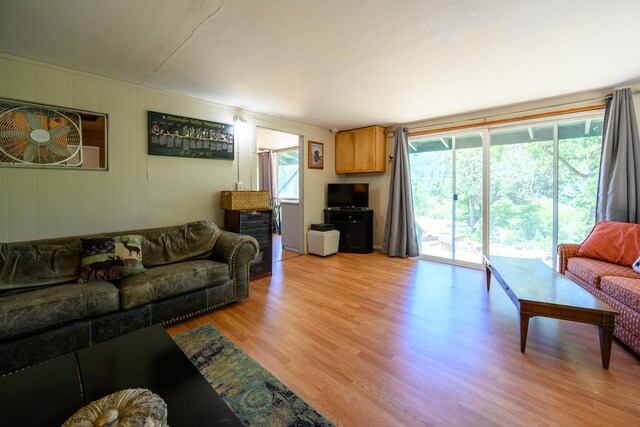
pixel 543 187
pixel 447 188
pixel 521 192
pixel 539 181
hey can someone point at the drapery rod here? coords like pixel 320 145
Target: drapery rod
pixel 633 92
pixel 511 119
pixel 515 119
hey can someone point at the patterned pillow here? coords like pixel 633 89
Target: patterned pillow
pixel 611 241
pixel 108 258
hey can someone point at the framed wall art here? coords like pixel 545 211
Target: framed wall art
pixel 316 155
pixel 171 135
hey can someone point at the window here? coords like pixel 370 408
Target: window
pixel 287 167
pixel 543 186
pixel 541 190
pixel 33 135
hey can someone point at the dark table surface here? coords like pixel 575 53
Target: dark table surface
pixel 43 395
pixel 49 393
pixel 149 358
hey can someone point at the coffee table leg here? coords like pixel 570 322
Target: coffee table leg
pixel 606 338
pixel 524 329
pixel 487 276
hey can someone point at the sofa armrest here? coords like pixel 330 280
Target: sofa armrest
pixel 566 251
pixel 238 251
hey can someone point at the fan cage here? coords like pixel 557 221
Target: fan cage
pixel 20 146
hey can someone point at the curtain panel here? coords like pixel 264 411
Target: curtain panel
pixel 267 172
pixel 400 229
pixel 619 180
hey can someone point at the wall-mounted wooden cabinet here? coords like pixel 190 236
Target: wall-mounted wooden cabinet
pixel 361 150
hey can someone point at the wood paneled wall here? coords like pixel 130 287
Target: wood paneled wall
pixel 137 190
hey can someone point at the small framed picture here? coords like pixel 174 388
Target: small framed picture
pixel 316 155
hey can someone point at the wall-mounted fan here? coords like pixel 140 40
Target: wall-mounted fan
pixel 39 135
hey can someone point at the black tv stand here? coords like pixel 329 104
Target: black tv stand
pixel 355 226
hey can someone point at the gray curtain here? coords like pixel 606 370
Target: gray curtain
pixel 619 180
pixel 267 172
pixel 400 229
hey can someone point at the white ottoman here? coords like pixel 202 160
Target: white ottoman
pixel 323 243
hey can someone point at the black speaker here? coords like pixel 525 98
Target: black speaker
pixel 322 227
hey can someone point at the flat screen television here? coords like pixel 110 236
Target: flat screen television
pixel 348 195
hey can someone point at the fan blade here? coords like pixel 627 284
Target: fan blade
pixel 30 153
pixel 33 121
pixel 14 134
pixel 59 131
pixel 58 150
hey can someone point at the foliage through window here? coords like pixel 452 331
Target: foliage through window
pixel 287 169
pixel 542 189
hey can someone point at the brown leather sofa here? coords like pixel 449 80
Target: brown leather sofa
pixel 44 312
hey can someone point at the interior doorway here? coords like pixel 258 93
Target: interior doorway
pixel 279 170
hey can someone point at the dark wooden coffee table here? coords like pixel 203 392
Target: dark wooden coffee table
pixel 43 395
pixel 49 393
pixel 537 290
pixel 149 358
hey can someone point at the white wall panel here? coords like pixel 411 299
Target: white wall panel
pixel 175 184
pixel 155 195
pixel 105 205
pixel 84 93
pixel 155 170
pixel 167 101
pixel 19 80
pixel 54 203
pixel 141 134
pixel 104 97
pixel 86 202
pixel 124 147
pixel 21 203
pixel 53 87
pixel 2 73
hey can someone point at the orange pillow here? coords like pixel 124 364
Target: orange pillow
pixel 616 242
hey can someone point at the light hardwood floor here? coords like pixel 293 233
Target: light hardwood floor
pixel 375 341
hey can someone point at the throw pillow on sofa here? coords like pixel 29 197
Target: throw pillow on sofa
pixel 108 258
pixel 615 242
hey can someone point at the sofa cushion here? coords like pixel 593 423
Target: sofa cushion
pixel 55 305
pixel 165 281
pixel 592 270
pixel 109 258
pixel 168 245
pixel 624 289
pixel 35 264
pixel 616 242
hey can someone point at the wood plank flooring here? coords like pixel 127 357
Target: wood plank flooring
pixel 278 253
pixel 370 340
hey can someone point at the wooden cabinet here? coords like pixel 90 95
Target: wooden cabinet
pixel 361 150
pixel 256 223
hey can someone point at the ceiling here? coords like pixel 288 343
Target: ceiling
pixel 335 63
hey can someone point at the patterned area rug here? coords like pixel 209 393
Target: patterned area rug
pixel 257 397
